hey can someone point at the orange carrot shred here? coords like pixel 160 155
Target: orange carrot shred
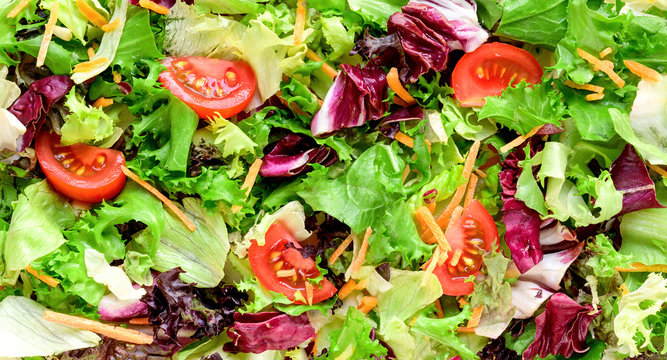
pixel 474 318
pixel 89 65
pixel 658 170
pixel 356 264
pixel 443 218
pixel 300 22
pixel 593 97
pixel 114 332
pixel 404 139
pixel 139 321
pixel 624 289
pixel 148 4
pixel 639 267
pixel 91 14
pixel 340 249
pixel 456 214
pixel 249 181
pixel 480 173
pixel 642 71
pixel 438 309
pixel 330 71
pixel 426 216
pixel 102 102
pixel 110 26
pixel 367 304
pixel 431 207
pixel 347 289
pixel 464 329
pixel 605 52
pixel 117 77
pixel 42 277
pixel 589 87
pixel 17 9
pixel 91 53
pixel 456 257
pixel 470 160
pixel 519 140
pixel 295 108
pixel 470 193
pixel 361 285
pixel 48 34
pixel 431 264
pixel 309 293
pixel 394 83
pixel 605 65
pixel 162 198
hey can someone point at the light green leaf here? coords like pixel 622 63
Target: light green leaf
pixel 534 22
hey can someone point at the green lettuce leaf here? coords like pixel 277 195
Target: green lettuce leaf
pixel 202 253
pixel 36 227
pixel 231 7
pixel 337 36
pixel 606 258
pixel 377 11
pixel 444 331
pixel 534 22
pixel 644 238
pixel 137 41
pixel 489 12
pixel 70 16
pixel 21 321
pixel 352 340
pixel 85 123
pixel 522 107
pixel 494 295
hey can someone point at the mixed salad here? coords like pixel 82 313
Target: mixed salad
pixel 333 179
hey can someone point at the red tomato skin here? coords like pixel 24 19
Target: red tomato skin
pixel 102 185
pixel 455 286
pixel 208 107
pixel 471 87
pixel 258 257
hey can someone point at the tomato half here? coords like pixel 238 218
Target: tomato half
pixel 274 259
pixel 81 172
pixel 490 69
pixel 210 86
pixel 474 233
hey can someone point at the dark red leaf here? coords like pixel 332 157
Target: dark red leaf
pixel 256 333
pixel 629 174
pixel 293 155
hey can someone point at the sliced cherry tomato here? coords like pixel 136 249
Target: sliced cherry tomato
pixel 81 172
pixel 474 233
pixel 210 86
pixel 490 69
pixel 274 257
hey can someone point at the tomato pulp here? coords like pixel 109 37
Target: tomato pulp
pixel 210 86
pixel 80 172
pixel 281 268
pixel 490 69
pixel 473 234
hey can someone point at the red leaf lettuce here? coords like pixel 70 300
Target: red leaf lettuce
pixel 259 332
pixel 629 174
pixel 293 155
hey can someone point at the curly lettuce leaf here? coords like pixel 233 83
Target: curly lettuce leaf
pixel 606 258
pixel 353 339
pixel 85 123
pixel 534 22
pixel 445 330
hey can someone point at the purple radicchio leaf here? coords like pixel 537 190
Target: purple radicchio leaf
pixel 522 223
pixel 111 308
pixel 293 155
pixel 166 3
pixel 389 126
pixel 549 129
pixel 174 305
pixel 256 333
pixel 31 108
pixel 561 328
pixel 357 95
pixel 630 177
pixel 458 19
pixel 536 285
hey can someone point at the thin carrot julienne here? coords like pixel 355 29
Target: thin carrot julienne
pixel 642 71
pixel 330 71
pixel 113 332
pixel 299 22
pixel 367 304
pixel 90 65
pixel 111 26
pixel 433 227
pixel 91 14
pixel 356 263
pixel 519 140
pixel 658 170
pixel 42 277
pixel 249 182
pixel 139 321
pixel 102 102
pixel 148 4
pixel 589 87
pixel 470 193
pixel 605 52
pixel 594 97
pixel 340 249
pixel 639 267
pixel 162 198
pixel 17 9
pixel 347 289
pixel 394 83
pixel 404 139
pixel 473 322
pixel 48 34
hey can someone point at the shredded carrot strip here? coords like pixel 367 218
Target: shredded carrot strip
pixel 589 87
pixel 48 34
pixel 285 273
pixel 362 284
pixel 91 14
pixel 314 350
pixel 639 267
pixel 114 332
pixel 347 289
pixel 470 194
pixel 62 33
pixel 147 4
pixel 519 140
pixel 404 139
pixel 89 65
pixel 658 170
pixel 464 329
pixel 605 52
pixel 480 173
pixel 594 97
pixel 431 207
pixel 139 321
pixel 102 102
pixel 605 65
pixel 17 9
pixel 367 304
pixel 340 249
pixel 438 309
pixel 394 83
pixel 462 302
pixel 309 292
pixel 590 58
pixel 299 22
pixel 474 318
pixel 456 214
pixel 330 71
pixel 398 101
pixel 295 108
pixel 117 77
pixel 249 182
pixel 431 264
pixel 433 227
pixel 42 277
pixel 624 289
pixel 110 26
pixel 162 198
pixel 91 53
pixel 443 218
pixel 642 71
pixel 356 264
pixel 456 257
pixel 470 160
